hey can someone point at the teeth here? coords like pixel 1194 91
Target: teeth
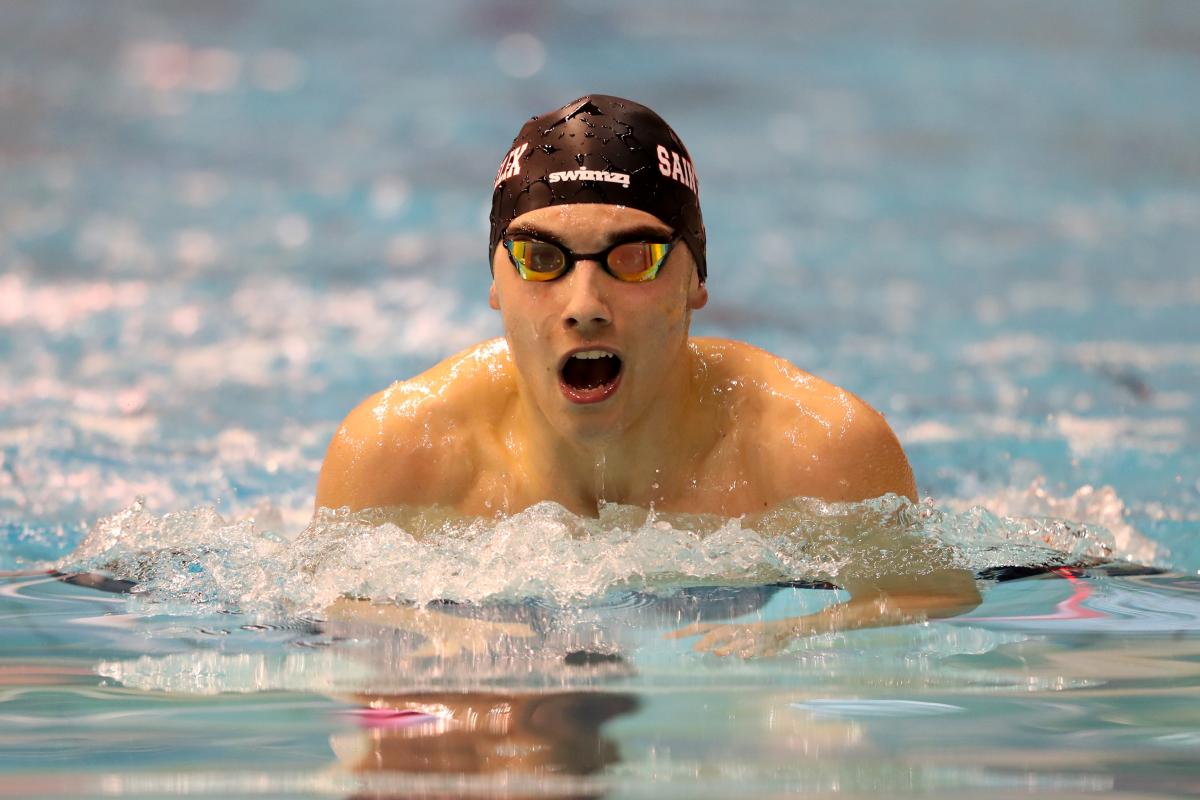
pixel 591 354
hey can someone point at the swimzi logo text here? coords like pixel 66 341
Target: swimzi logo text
pixel 590 175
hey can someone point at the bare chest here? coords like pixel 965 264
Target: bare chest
pixel 727 479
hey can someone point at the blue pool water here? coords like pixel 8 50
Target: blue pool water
pixel 217 226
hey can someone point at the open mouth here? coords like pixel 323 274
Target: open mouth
pixel 590 376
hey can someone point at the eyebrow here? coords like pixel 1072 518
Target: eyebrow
pixel 633 234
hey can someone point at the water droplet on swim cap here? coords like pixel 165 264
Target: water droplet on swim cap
pixel 600 149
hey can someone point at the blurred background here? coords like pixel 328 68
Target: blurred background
pixel 222 224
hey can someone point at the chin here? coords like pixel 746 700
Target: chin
pixel 589 423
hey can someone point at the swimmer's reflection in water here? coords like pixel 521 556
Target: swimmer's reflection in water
pixel 475 733
pixel 598 394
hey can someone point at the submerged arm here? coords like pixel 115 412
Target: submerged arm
pixel 892 600
pixel 894 576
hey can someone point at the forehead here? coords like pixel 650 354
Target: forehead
pixel 588 224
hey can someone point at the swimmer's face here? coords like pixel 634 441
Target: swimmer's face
pixel 641 328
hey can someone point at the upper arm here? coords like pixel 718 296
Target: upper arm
pixel 354 460
pixel 849 455
pixel 379 457
pixel 877 463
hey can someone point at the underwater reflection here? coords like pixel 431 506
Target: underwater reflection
pixel 483 733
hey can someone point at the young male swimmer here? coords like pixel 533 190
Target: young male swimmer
pixel 597 393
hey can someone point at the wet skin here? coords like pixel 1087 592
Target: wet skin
pixel 695 424
pixel 692 425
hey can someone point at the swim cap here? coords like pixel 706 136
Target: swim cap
pixel 600 149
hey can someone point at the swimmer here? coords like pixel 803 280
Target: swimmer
pixel 596 393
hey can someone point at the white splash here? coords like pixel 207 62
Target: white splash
pixel 196 559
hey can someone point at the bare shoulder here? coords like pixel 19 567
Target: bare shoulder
pixel 414 442
pixel 814 437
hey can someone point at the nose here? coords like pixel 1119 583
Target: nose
pixel 586 310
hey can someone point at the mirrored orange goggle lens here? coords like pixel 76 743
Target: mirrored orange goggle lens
pixel 634 261
pixel 637 261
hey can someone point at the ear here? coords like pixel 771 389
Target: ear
pixel 697 293
pixel 493 297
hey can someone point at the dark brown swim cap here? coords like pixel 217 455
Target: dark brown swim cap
pixel 600 149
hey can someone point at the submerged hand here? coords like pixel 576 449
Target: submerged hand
pixel 446 635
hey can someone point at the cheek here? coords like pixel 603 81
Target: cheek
pixel 520 311
pixel 676 317
pixel 528 338
pixel 672 313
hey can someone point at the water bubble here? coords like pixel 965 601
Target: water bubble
pixel 788 133
pixel 213 70
pixel 200 189
pixel 388 197
pixel 406 249
pixel 276 71
pixel 520 55
pixel 292 231
pixel 195 247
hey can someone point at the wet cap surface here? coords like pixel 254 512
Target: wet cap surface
pixel 600 149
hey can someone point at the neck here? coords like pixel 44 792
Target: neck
pixel 637 464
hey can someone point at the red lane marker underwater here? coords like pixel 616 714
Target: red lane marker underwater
pixel 1071 608
pixel 390 717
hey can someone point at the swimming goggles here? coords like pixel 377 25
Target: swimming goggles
pixel 633 262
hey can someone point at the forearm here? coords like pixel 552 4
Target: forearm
pixel 869 606
pixel 882 609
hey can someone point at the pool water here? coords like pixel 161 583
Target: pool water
pixel 1053 686
pixel 222 225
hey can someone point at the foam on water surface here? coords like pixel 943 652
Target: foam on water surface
pixel 198 559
